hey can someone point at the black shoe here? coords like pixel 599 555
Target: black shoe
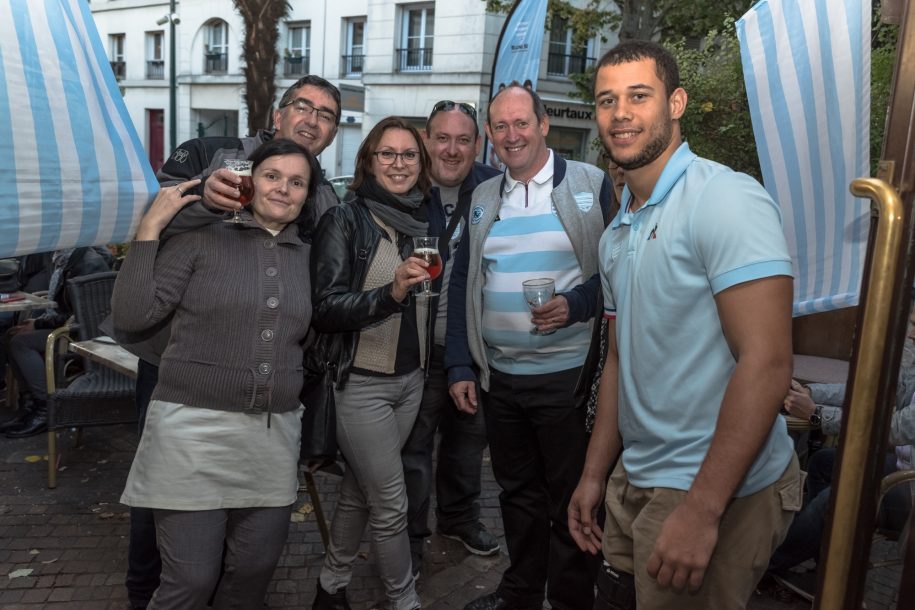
pixel 494 602
pixel 35 423
pixel 475 538
pixel 330 601
pixel 14 422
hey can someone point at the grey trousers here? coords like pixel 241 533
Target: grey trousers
pixel 374 419
pixel 191 546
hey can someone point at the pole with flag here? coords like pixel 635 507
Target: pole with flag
pixel 519 48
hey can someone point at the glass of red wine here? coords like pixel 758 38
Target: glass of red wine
pixel 426 248
pixel 242 169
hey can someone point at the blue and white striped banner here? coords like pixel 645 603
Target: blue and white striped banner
pixel 518 55
pixel 806 64
pixel 72 169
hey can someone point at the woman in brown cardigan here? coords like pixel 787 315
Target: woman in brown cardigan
pixel 218 459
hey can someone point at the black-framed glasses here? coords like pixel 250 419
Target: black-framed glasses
pixel 302 106
pixel 387 157
pixel 447 105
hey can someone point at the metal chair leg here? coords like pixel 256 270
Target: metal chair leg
pixel 319 511
pixel 52 459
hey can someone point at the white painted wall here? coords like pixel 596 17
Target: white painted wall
pixel 464 45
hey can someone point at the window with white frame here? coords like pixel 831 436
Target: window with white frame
pixel 116 55
pixel 216 47
pixel 155 62
pixel 354 55
pixel 565 57
pixel 417 33
pixel 298 43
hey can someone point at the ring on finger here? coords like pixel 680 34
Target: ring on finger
pixel 180 192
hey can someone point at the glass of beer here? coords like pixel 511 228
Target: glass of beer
pixel 537 293
pixel 426 248
pixel 242 169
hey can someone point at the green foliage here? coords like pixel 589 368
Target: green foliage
pixel 586 22
pixel 693 20
pixel 883 58
pixel 717 119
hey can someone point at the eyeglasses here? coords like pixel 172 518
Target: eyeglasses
pixel 446 105
pixel 387 157
pixel 302 106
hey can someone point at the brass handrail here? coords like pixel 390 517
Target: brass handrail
pixel 862 417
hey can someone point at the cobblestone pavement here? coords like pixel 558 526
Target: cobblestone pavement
pixel 67 547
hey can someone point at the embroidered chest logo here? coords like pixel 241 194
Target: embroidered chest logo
pixel 653 234
pixel 180 155
pixel 585 201
pixel 476 215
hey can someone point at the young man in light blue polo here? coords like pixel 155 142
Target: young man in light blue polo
pixel 697 286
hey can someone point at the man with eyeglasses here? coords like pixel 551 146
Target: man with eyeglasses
pixel 308 113
pixel 452 139
pixel 541 219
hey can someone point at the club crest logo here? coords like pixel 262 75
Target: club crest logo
pixel 585 201
pixel 476 215
pixel 180 156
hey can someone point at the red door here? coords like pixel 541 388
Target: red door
pixel 156 131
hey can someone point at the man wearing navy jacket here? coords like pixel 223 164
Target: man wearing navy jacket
pixel 452 139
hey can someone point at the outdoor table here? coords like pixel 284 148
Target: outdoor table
pixel 24 301
pixel 106 352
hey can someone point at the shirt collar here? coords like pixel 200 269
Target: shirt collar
pixel 542 177
pixel 670 175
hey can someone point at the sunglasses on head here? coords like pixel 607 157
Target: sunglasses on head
pixel 447 105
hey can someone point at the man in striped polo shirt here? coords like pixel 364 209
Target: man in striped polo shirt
pixel 542 218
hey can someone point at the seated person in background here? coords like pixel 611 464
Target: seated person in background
pixel 34 270
pixel 821 404
pixel 24 343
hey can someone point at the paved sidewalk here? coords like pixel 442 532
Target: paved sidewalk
pixel 66 548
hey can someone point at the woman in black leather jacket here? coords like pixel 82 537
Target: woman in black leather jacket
pixel 362 282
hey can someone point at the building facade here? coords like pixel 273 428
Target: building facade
pixel 386 56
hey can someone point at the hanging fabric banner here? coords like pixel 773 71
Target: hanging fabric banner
pixel 72 169
pixel 806 64
pixel 518 52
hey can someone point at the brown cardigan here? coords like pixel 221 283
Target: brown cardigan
pixel 242 305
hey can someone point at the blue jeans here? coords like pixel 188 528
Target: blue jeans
pixel 374 419
pixel 805 535
pixel 460 459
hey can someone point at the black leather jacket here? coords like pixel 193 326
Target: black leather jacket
pixel 343 245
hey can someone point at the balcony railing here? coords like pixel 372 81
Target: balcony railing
pixel 216 63
pixel 558 64
pixel 295 65
pixel 414 60
pixel 155 69
pixel 119 68
pixel 352 64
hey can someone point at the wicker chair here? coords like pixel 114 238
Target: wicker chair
pixel 97 397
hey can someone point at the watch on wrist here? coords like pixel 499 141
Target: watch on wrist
pixel 817 416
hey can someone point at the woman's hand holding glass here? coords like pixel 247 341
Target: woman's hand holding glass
pixel 407 275
pixel 168 202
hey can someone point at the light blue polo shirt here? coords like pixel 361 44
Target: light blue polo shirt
pixel 705 228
